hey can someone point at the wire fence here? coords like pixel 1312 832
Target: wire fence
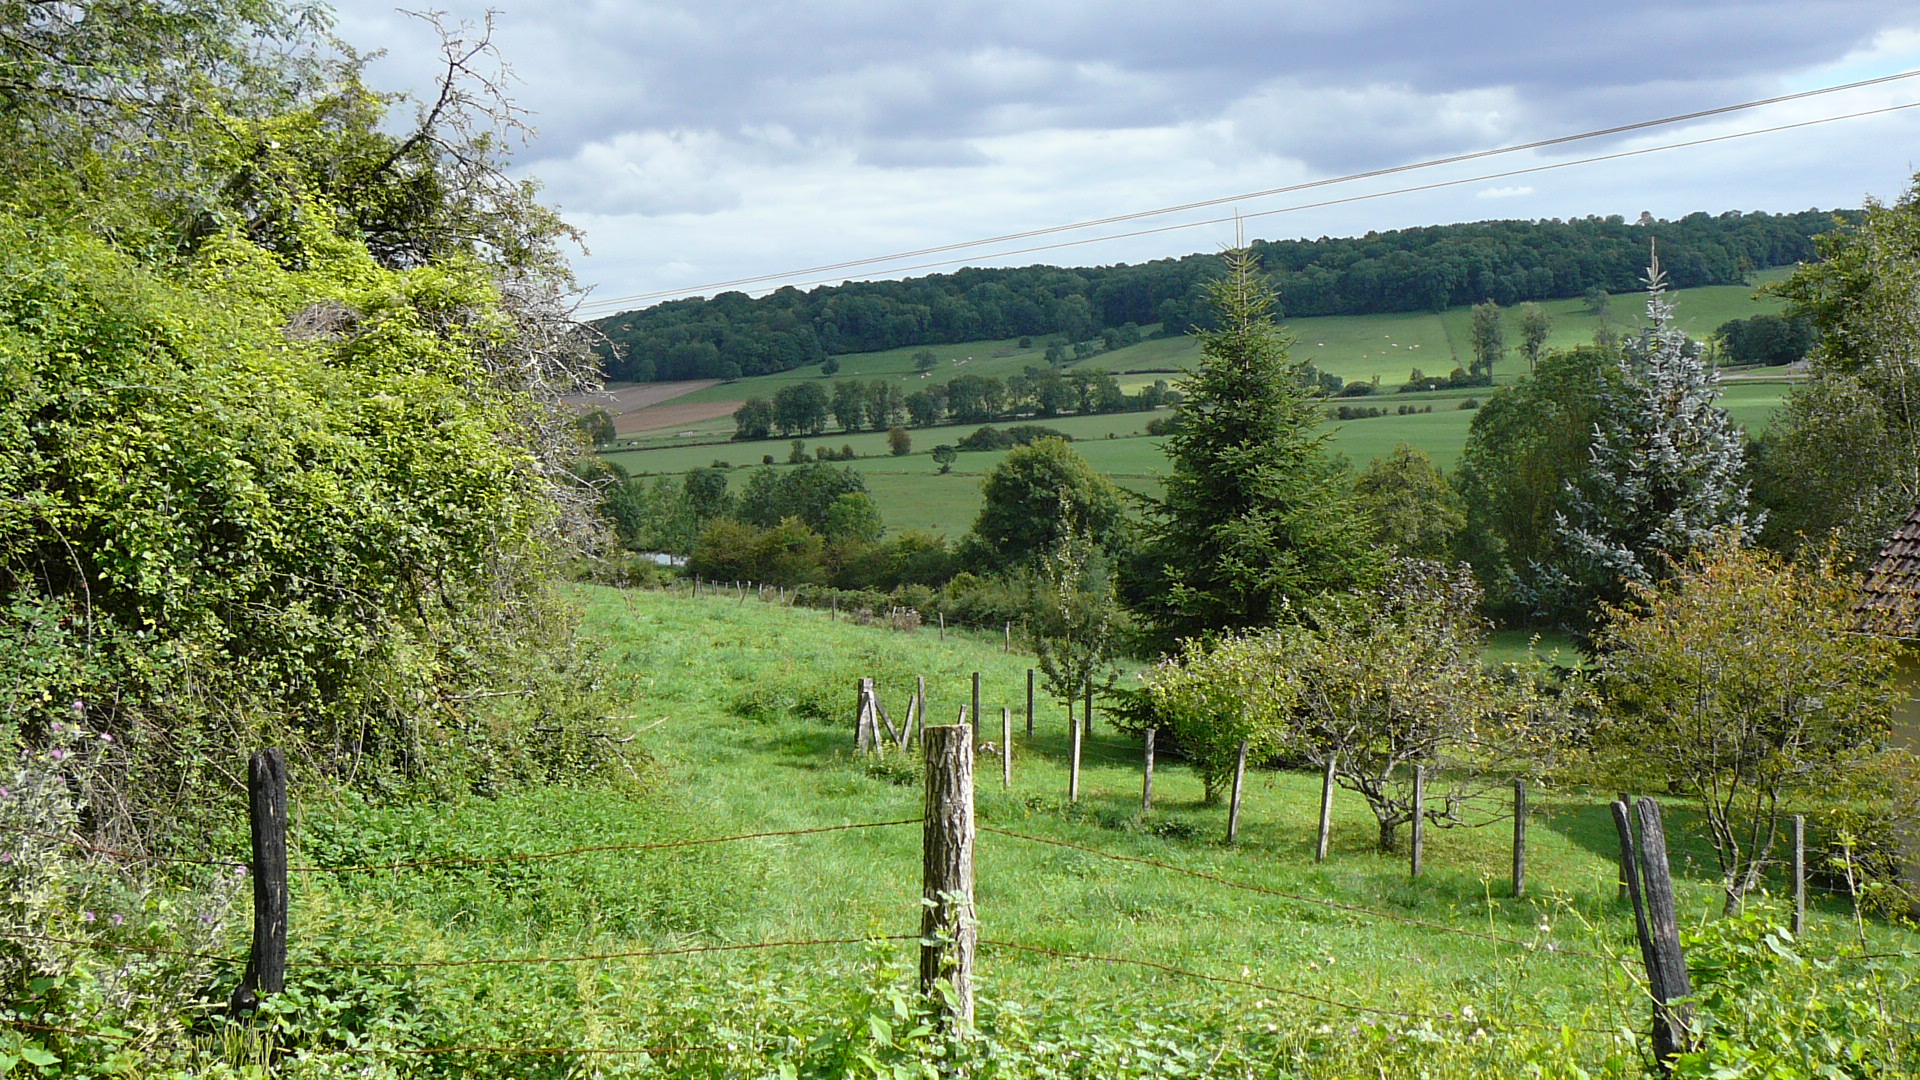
pixel 1365 914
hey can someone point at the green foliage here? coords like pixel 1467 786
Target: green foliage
pixel 1528 444
pixel 1489 340
pixel 1071 619
pixel 1743 680
pixel 1769 1005
pixel 753 420
pixel 806 493
pixel 1843 459
pixel 1414 512
pixel 1256 518
pixel 945 455
pixel 899 443
pixel 1035 495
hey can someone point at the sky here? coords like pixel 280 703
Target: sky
pixel 699 143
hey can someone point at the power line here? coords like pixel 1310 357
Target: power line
pixel 1617 129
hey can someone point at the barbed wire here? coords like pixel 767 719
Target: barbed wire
pixel 1535 947
pixel 361 964
pixel 1397 1014
pixel 487 860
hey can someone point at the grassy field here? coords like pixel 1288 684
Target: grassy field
pixel 745 713
pixel 912 495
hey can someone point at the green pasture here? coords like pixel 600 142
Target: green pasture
pixel 1355 347
pixel 912 494
pixel 741 721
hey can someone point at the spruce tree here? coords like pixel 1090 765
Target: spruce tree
pixel 1664 484
pixel 1256 515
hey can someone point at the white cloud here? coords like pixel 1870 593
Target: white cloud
pixel 1503 192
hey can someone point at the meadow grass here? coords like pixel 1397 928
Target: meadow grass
pixel 745 710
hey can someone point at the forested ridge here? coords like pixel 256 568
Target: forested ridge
pixel 1430 268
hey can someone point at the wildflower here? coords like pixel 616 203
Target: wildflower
pixel 118 918
pixel 58 727
pixel 86 916
pixel 104 737
pixel 56 753
pixel 79 708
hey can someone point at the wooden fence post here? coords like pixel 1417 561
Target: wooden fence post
pixel 943 626
pixel 1006 748
pixel 976 706
pixel 948 932
pixel 1146 781
pixel 1029 703
pixel 1086 710
pixel 1626 859
pixel 865 731
pixel 1651 889
pixel 1519 838
pixel 1799 873
pixel 1419 819
pixel 1073 769
pixel 1326 812
pixel 267 815
pixel 1239 781
pixel 1009 647
pixel 920 693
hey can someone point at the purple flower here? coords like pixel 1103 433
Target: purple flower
pixel 56 753
pixel 58 727
pixel 206 918
pixel 118 918
pixel 104 737
pixel 5 794
pixel 86 916
pixel 79 708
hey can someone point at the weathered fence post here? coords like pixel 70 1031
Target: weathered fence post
pixel 943 626
pixel 1326 812
pixel 1799 873
pixel 976 706
pixel 1009 647
pixel 1146 780
pixel 1419 830
pixel 1086 709
pixel 1519 837
pixel 865 731
pixel 1650 887
pixel 1626 860
pixel 948 933
pixel 920 694
pixel 1073 769
pixel 1007 748
pixel 1239 781
pixel 1029 703
pixel 267 815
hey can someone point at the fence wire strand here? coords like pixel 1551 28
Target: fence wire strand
pixel 1550 949
pixel 537 856
pixel 358 964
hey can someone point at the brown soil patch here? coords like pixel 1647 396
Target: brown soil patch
pixel 658 417
pixel 626 397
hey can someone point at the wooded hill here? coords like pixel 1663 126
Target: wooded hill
pixel 1435 267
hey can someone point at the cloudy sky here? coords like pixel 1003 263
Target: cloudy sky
pixel 703 142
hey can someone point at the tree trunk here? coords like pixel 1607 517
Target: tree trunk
pixel 1387 839
pixel 1214 788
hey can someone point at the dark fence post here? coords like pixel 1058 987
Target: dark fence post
pixel 1326 812
pixel 976 707
pixel 1239 781
pixel 267 814
pixel 1519 838
pixel 1146 782
pixel 1006 748
pixel 1086 710
pixel 1626 860
pixel 948 933
pixel 1029 703
pixel 1650 887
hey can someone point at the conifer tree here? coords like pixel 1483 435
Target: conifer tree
pixel 1257 516
pixel 1664 484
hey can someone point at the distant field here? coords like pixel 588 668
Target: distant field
pixel 1357 348
pixel 912 494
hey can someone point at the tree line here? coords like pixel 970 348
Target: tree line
pixel 732 335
